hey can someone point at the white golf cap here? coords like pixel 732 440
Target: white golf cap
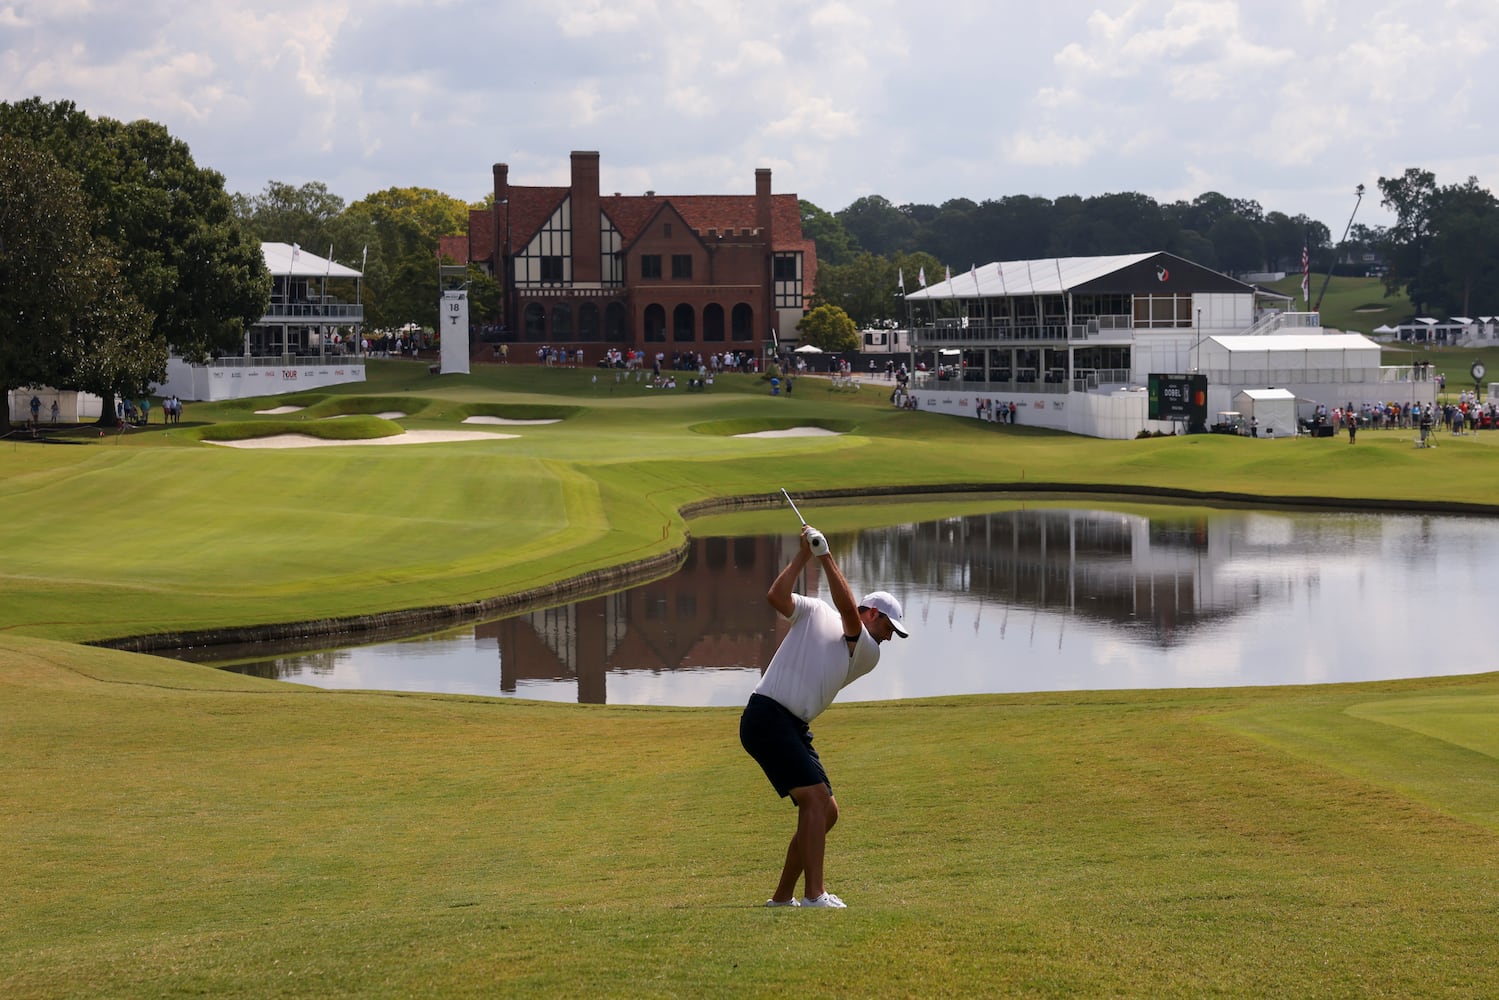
pixel 887 605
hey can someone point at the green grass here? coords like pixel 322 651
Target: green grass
pixel 153 531
pixel 176 830
pixel 1356 305
pixel 355 429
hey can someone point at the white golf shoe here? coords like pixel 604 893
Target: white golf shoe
pixel 827 901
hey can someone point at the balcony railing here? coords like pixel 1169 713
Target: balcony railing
pixel 313 313
pixel 988 333
pixel 287 360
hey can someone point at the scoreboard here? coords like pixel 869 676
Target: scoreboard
pixel 1179 397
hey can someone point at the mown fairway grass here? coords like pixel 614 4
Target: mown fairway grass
pixel 175 830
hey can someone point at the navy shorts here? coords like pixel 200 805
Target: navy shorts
pixel 781 744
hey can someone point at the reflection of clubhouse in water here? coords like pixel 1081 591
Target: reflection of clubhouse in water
pixel 711 613
pixel 1153 580
pixel 1157 578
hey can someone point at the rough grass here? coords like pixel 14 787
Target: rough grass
pixel 176 830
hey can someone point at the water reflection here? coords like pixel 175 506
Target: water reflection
pixel 1021 599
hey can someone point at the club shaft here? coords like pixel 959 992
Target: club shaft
pixel 792 502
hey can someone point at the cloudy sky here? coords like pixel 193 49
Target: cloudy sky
pixel 1289 102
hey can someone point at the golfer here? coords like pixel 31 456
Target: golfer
pixel 826 649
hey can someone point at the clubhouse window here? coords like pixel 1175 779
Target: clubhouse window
pixel 681 265
pixel 650 265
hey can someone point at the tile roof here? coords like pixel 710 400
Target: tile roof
pixel 454 248
pixel 530 207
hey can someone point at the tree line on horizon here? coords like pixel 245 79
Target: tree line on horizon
pixel 116 248
pixel 1442 251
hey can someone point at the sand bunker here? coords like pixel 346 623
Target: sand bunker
pixel 387 414
pixel 279 410
pixel 792 432
pixel 506 420
pixel 410 437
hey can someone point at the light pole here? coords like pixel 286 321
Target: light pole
pixel 1346 230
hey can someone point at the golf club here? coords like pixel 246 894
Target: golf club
pixel 792 502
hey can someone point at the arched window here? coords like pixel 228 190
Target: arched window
pixel 614 322
pixel 683 324
pixel 562 321
pixel 536 322
pixel 744 322
pixel 655 324
pixel 588 321
pixel 713 328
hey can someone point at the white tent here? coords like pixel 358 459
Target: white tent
pixel 809 349
pixel 1287 359
pixel 1272 410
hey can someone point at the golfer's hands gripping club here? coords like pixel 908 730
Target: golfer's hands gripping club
pixel 815 541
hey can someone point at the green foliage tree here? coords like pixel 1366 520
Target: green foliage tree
pixel 878 226
pixel 111 349
pixel 46 257
pixel 1237 243
pixel 1462 262
pixel 866 289
pixel 194 271
pixel 1411 197
pixel 834 244
pixel 286 214
pixel 830 329
pixel 404 227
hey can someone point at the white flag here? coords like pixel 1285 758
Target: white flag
pixel 921 275
pixel 900 279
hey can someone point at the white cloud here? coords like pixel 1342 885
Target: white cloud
pixel 1050 149
pixel 1290 102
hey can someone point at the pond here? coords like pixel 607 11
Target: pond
pixel 1029 597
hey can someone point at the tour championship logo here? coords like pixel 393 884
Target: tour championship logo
pixel 1161 274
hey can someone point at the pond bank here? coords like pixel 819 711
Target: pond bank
pixel 435 617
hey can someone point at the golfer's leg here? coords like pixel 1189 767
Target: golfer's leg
pixel 790 871
pixel 816 812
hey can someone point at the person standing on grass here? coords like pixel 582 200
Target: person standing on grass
pixel 827 648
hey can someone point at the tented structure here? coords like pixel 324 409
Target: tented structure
pixel 1280 359
pixel 1272 410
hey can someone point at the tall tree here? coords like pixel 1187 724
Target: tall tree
pixel 110 350
pixel 1237 243
pixel 168 222
pixel 1462 265
pixel 404 227
pixel 834 243
pixel 286 214
pixel 1410 196
pixel 878 226
pixel 46 258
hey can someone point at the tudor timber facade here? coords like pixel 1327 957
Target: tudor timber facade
pixel 656 273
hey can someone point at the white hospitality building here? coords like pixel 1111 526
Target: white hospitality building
pixel 308 338
pixel 1072 341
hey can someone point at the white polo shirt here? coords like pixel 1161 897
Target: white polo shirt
pixel 813 662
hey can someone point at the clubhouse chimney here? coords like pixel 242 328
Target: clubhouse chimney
pixel 587 245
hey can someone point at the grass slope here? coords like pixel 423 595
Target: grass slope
pixel 175 830
pixel 153 531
